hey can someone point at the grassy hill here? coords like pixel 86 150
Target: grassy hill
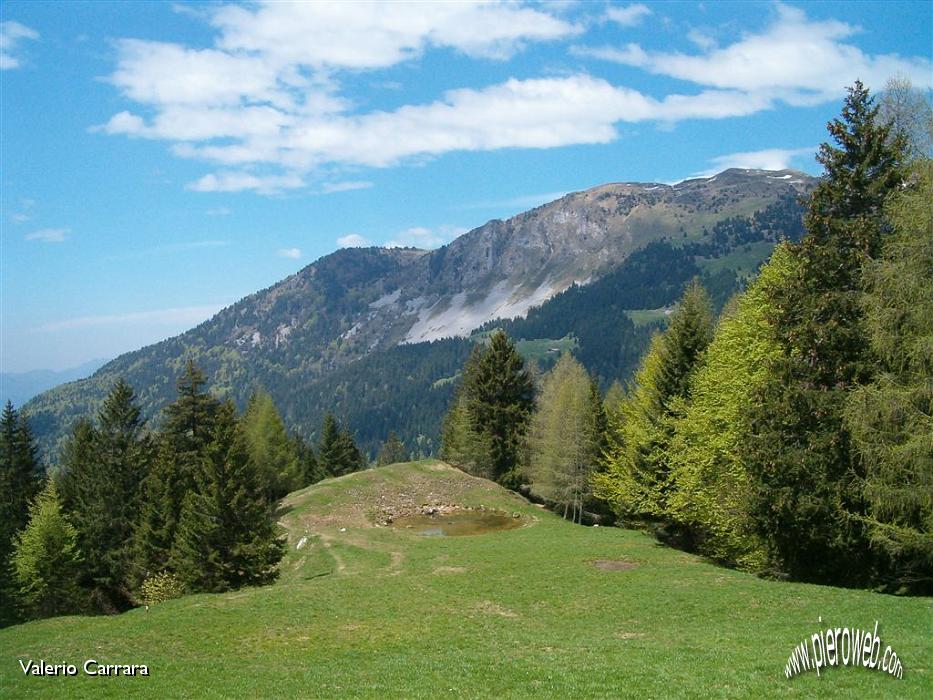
pixel 548 609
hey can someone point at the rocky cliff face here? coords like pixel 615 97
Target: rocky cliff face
pixel 377 298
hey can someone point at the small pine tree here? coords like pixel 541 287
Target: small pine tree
pixel 337 451
pixel 392 451
pixel 46 560
pixel 462 444
pixel 310 469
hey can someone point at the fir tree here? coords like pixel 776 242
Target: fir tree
pixel 309 467
pixel 337 451
pixel 46 560
pixel 187 430
pixel 19 482
pixel 227 536
pixel 795 445
pixel 392 451
pixel 499 400
pixel 462 444
pixel 328 447
pixel 105 468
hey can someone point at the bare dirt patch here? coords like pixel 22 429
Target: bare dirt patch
pixel 490 608
pixel 450 570
pixel 614 564
pixel 628 635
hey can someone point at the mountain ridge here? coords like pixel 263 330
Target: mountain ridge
pixel 357 302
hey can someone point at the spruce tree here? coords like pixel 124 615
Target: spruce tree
pixel 310 469
pixel 392 451
pixel 795 445
pixel 462 444
pixel 227 536
pixel 46 560
pixel 19 483
pixel 351 458
pixel 328 446
pixel 104 471
pixel 337 450
pixel 500 398
pixel 187 430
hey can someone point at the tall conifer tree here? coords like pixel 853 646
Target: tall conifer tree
pixel 183 440
pixel 795 446
pixel 19 483
pixel 105 468
pixel 227 536
pixel 637 478
pixel 500 399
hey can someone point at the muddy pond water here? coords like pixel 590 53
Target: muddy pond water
pixel 456 523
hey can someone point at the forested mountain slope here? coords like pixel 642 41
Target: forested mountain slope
pixel 353 331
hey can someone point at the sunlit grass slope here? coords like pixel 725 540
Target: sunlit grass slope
pixel 366 611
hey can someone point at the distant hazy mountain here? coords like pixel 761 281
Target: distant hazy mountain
pixel 348 332
pixel 19 387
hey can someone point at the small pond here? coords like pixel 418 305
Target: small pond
pixel 456 523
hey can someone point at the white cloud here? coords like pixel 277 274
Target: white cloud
pixel 12 34
pixel 367 35
pixel 353 240
pixel 49 235
pixel 219 211
pixel 628 16
pixel 537 113
pixel 795 59
pixel 701 39
pixel 425 238
pixel 767 159
pixel 185 314
pixel 346 186
pixel 229 181
pixel 289 253
pixel 263 104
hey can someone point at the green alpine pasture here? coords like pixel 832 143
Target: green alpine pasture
pixel 550 609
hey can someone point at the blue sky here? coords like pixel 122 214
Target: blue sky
pixel 160 161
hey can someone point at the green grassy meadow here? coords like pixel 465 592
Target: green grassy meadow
pixel 371 611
